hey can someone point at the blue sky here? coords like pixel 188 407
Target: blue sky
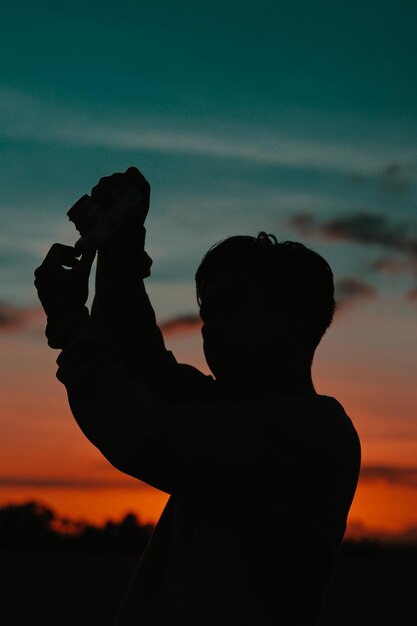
pixel 242 117
pixel 239 115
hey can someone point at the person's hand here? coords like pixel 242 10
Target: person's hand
pixel 114 213
pixel 63 290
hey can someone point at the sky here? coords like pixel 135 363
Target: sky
pixel 296 118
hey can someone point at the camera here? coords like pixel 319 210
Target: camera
pixel 96 223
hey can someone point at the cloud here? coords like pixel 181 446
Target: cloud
pixel 371 228
pixel 304 223
pixel 368 229
pixel 412 295
pixel 48 482
pixel 393 265
pixel 350 290
pixel 361 227
pixel 394 178
pixel 391 475
pixel 14 318
pixel 406 476
pixel 357 530
pixel 28 118
pixel 180 325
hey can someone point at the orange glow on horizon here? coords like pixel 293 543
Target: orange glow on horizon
pixel 378 509
pixel 42 442
pixel 382 507
pixel 94 506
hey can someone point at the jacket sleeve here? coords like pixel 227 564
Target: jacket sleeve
pixel 171 446
pixel 122 308
pixel 264 457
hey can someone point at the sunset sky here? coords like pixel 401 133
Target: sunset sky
pixel 297 118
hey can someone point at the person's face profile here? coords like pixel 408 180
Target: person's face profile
pixel 238 325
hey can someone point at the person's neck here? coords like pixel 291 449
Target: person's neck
pixel 275 382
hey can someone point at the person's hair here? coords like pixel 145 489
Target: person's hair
pixel 289 270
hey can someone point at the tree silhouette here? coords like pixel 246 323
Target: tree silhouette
pixel 34 526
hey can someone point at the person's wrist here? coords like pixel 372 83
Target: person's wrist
pixel 62 324
pixel 126 256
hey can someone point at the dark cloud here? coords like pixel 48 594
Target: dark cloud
pixel 407 536
pixel 180 324
pixel 412 295
pixel 10 317
pixel 357 530
pixel 406 476
pixel 14 318
pixel 391 475
pixel 304 223
pixel 393 265
pixel 48 482
pixel 398 238
pixel 350 290
pixel 371 228
pixel 394 178
pixel 362 227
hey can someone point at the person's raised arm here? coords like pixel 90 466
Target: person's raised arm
pixel 111 223
pixel 174 446
pixel 112 220
pixel 168 445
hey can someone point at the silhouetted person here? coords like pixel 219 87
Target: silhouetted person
pixel 261 469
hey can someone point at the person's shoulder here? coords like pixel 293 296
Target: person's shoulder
pixel 304 405
pixel 317 418
pixel 337 431
pixel 312 406
pixel 333 414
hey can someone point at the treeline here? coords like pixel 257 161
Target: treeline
pixel 34 526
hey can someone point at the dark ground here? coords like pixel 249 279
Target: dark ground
pixel 374 585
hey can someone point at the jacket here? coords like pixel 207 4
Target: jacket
pixel 260 486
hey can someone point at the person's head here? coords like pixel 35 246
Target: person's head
pixel 264 305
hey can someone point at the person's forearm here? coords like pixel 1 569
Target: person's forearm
pixel 121 304
pixel 141 432
pixel 114 409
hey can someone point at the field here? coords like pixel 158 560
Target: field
pixel 374 585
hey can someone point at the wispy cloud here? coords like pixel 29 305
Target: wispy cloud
pixel 360 227
pixel 394 178
pixel 25 117
pixel 412 295
pixel 180 325
pixel 14 318
pixel 393 265
pixel 357 530
pixel 406 476
pixel 350 290
pixel 397 238
pixel 51 482
pixel 393 475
